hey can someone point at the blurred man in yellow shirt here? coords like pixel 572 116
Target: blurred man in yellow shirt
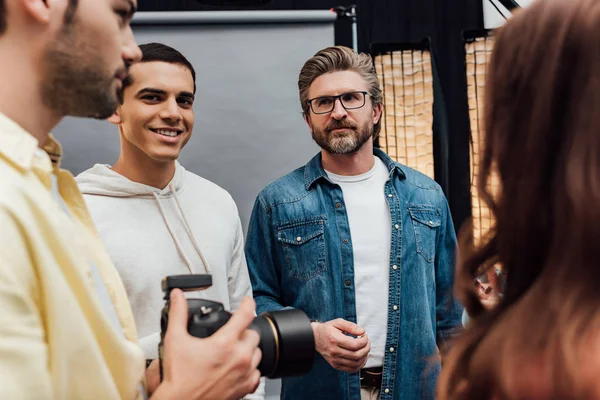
pixel 66 329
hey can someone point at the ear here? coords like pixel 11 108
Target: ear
pixel 39 10
pixel 377 111
pixel 115 118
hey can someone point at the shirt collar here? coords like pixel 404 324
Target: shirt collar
pixel 313 170
pixel 22 149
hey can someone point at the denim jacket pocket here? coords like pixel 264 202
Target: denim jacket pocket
pixel 303 245
pixel 425 221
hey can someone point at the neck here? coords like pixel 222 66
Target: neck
pixel 138 167
pixel 20 92
pixel 349 164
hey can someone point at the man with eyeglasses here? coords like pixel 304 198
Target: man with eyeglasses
pixel 365 246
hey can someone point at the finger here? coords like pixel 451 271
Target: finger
pixel 241 319
pixel 486 289
pixel 353 355
pixel 350 343
pixel 348 327
pixel 152 376
pixel 346 365
pixel 245 386
pixel 364 362
pixel 356 356
pixel 256 357
pixel 490 303
pixel 253 382
pixel 364 352
pixel 178 313
pixel 250 338
pixel 493 278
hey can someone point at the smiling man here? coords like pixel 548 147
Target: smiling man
pixel 154 217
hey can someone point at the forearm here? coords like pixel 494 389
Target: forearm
pixel 448 309
pixel 267 303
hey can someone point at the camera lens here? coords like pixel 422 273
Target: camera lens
pixel 286 341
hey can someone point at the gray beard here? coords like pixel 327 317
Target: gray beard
pixel 347 142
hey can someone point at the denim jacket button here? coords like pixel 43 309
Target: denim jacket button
pixel 345 240
pixel 397 226
pixel 387 390
pixel 395 308
pixel 298 239
pixel 391 349
pixel 338 205
pixel 394 267
pixel 390 195
pixel 348 283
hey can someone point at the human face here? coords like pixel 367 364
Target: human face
pixel 157 117
pixel 341 131
pixel 84 65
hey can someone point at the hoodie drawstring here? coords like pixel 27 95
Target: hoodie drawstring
pixel 188 230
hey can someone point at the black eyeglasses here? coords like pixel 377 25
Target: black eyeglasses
pixel 326 104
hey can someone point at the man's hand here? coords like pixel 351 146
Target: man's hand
pixel 222 366
pixel 489 294
pixel 153 376
pixel 341 351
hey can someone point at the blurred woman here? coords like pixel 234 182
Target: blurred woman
pixel 542 339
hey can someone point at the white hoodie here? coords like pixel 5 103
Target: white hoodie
pixel 151 233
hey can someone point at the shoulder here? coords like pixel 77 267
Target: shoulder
pixel 21 190
pixel 420 188
pixel 23 224
pixel 288 188
pixel 202 188
pixel 418 180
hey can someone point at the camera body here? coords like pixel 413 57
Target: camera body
pixel 286 338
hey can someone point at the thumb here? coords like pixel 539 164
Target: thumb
pixel 348 327
pixel 178 313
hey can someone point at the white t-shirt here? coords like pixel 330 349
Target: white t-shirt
pixel 370 227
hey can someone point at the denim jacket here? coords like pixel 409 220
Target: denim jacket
pixel 299 254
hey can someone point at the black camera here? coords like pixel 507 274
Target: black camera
pixel 286 338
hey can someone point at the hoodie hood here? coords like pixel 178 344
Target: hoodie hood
pixel 101 180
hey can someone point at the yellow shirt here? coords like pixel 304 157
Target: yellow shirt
pixel 55 340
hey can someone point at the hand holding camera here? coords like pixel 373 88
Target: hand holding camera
pixel 205 352
pixel 223 366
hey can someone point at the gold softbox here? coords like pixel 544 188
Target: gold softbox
pixel 478 49
pixel 405 75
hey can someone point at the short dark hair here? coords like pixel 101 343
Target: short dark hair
pixel 160 52
pixel 69 13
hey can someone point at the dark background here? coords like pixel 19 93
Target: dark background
pixel 400 21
